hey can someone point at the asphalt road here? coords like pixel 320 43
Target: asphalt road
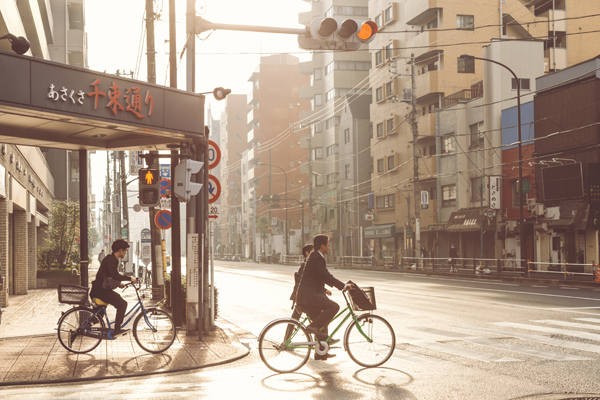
pixel 457 338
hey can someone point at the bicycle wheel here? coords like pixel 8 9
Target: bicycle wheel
pixel 154 332
pixel 72 325
pixel 376 347
pixel 283 345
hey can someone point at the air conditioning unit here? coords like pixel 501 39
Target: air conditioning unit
pixel 538 210
pixel 511 226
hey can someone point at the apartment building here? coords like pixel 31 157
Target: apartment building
pixel 333 76
pixel 233 129
pixel 274 155
pixel 416 55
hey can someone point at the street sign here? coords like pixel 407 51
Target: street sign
pixel 214 154
pixel 137 208
pixel 146 209
pixel 163 219
pixel 165 171
pixel 146 246
pixel 369 216
pixel 165 204
pixel 495 192
pixel 424 199
pixel 105 237
pixel 136 162
pixel 165 187
pixel 489 212
pixel 214 212
pixel 214 189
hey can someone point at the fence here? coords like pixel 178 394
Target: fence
pixel 478 266
pixel 294 259
pixel 353 261
pixel 564 271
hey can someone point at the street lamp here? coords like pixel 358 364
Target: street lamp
pixel 287 222
pixel 19 45
pixel 520 184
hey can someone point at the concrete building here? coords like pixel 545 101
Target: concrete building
pixel 232 143
pixel 333 75
pixel 436 33
pixel 28 181
pixel 275 156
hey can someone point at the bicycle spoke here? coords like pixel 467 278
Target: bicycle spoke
pixel 372 344
pixel 283 346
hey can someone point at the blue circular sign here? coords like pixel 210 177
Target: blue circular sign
pixel 163 219
pixel 165 187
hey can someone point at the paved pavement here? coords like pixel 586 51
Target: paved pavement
pixel 31 353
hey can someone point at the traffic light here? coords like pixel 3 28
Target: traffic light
pixel 338 34
pixel 183 187
pixel 149 187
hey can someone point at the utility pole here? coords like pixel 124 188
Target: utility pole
pixel 150 52
pixel 413 116
pixel 124 201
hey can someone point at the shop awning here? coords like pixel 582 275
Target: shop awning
pixel 380 231
pixel 578 221
pixel 464 221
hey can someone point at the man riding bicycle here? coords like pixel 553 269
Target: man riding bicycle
pixel 312 295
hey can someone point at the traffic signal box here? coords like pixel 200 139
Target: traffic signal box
pixel 149 187
pixel 183 187
pixel 338 34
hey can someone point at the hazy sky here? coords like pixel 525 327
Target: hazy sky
pixel 117 41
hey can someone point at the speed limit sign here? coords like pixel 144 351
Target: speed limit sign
pixel 214 212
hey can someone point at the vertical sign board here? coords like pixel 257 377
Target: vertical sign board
pixel 495 192
pixel 165 171
pixel 192 270
pixel 146 246
pixel 136 162
pixel 424 199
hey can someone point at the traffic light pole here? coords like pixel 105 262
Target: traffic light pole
pixel 203 25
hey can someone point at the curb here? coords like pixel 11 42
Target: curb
pixel 231 336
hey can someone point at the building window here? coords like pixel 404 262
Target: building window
pixel 371 130
pixel 432 66
pixel 448 144
pixel 466 22
pixel 466 65
pixel 387 201
pixel 389 89
pixel 329 68
pixel 378 21
pixel 390 163
pixel 347 171
pixel 372 166
pixel 331 122
pixel 346 135
pixel 380 166
pixel 524 84
pixel 379 94
pixel 333 178
pixel 388 15
pixel 390 126
pixel 449 195
pixel 333 149
pixel 317 74
pixel 476 131
pixel 318 153
pixel 380 132
pixel 379 57
pixel 476 188
pixel 318 180
pixel 389 51
pixel 318 99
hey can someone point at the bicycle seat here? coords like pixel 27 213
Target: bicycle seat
pixel 99 302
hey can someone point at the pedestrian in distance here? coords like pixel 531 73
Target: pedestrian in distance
pixel 453 256
pixel 312 296
pixel 101 256
pixel 109 269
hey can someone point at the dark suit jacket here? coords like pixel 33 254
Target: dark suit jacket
pixel 311 290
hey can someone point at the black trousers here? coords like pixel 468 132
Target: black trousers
pixel 115 300
pixel 322 314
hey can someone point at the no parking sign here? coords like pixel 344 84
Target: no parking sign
pixel 163 219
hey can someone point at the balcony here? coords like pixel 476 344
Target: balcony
pixel 76 40
pixel 418 12
pixel 464 96
pixel 427 168
pixel 428 84
pixel 427 125
pixel 307 92
pixel 253 97
pixel 252 138
pixel 306 67
pixel 424 45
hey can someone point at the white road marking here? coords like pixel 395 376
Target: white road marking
pixel 547 329
pixel 569 324
pixel 501 345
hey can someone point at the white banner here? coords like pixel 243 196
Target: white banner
pixel 192 267
pixel 136 162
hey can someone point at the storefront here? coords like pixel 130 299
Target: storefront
pixel 382 242
pixel 467 223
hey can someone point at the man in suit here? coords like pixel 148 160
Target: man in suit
pixel 312 295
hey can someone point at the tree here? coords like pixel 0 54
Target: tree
pixel 262 226
pixel 62 244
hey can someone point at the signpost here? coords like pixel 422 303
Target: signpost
pixel 146 246
pixel 163 219
pixel 214 212
pixel 214 154
pixel 165 187
pixel 214 189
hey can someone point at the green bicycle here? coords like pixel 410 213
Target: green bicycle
pixel 284 344
pixel 83 327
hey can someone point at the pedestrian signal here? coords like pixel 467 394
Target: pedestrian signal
pixel 149 187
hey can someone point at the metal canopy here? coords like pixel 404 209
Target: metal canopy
pixel 47 104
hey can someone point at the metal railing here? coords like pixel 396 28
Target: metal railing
pixel 295 259
pixel 480 266
pixel 564 271
pixel 360 261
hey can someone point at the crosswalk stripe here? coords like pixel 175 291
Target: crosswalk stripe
pixel 415 357
pixel 458 351
pixel 569 324
pixel 547 329
pixel 536 338
pixel 595 320
pixel 500 345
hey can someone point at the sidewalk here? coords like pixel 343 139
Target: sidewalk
pixel 31 353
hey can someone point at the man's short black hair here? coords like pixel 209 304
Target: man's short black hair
pixel 319 241
pixel 307 249
pixel 119 244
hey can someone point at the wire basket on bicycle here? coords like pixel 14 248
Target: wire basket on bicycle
pixel 362 299
pixel 72 294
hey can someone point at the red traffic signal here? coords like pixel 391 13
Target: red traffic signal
pixel 338 34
